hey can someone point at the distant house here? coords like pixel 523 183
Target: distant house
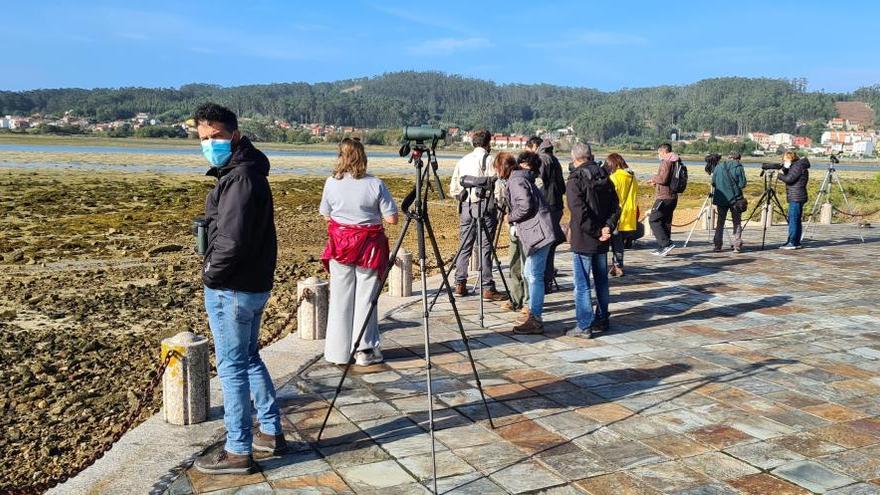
pixel 782 139
pixel 453 131
pixel 837 124
pixel 863 148
pixel 763 139
pixel 503 142
pixel 704 136
pixel 802 142
pixel 19 123
pixel 6 122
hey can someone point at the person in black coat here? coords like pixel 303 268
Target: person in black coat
pixel 238 271
pixel 595 211
pixel 795 174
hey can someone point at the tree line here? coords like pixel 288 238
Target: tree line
pixel 723 106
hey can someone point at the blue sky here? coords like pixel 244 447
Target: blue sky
pixel 604 45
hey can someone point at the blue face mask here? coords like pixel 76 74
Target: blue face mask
pixel 217 151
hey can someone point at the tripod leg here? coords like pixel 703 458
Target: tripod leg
pixel 702 212
pixel 464 337
pixel 445 280
pixel 373 304
pixel 493 254
pixel 420 227
pixel 846 202
pixel 822 193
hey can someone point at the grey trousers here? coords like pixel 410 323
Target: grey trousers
pixel 737 226
pixel 468 238
pixel 351 291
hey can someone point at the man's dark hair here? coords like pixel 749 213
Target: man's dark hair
pixel 735 155
pixel 534 141
pixel 482 138
pixel 531 160
pixel 665 147
pixel 212 112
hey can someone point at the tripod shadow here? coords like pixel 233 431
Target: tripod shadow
pixel 657 382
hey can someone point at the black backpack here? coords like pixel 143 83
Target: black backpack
pixel 598 183
pixel 679 177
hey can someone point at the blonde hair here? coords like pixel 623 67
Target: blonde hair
pixel 352 159
pixel 790 155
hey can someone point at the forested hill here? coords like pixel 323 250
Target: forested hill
pixel 723 105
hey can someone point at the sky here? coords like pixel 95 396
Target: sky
pixel 606 45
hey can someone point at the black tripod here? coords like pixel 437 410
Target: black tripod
pixel 415 207
pixel 478 230
pixel 768 202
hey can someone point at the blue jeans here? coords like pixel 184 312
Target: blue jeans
pixel 795 227
pixel 234 317
pixel 583 264
pixel 536 263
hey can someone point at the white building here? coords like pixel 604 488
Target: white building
pixel 863 148
pixel 782 139
pixel 6 122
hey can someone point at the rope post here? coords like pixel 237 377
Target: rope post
pixel 825 214
pixel 647 222
pixel 312 313
pixel 708 224
pixel 766 217
pixel 186 393
pixel 401 277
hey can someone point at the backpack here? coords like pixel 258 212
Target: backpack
pixel 597 183
pixel 679 177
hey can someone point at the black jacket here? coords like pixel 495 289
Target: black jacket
pixel 553 183
pixel 796 178
pixel 588 216
pixel 242 248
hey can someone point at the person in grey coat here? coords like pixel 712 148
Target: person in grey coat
pixel 530 217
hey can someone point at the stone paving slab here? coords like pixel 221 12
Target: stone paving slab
pixel 723 374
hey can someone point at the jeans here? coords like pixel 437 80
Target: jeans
pixel 583 264
pixel 737 226
pixel 555 217
pixel 661 221
pixel 351 295
pixel 795 227
pixel 518 285
pixel 234 317
pixel 468 238
pixel 534 272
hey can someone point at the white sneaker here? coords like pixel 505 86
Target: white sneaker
pixel 368 357
pixel 665 251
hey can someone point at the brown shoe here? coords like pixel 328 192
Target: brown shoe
pixel 532 326
pixel 273 444
pixel 508 306
pixel 222 462
pixel 493 295
pixel 461 289
pixel 524 316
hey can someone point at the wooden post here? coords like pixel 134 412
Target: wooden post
pixel 400 279
pixel 825 214
pixel 186 395
pixel 312 313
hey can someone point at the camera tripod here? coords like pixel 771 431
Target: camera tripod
pixel 768 203
pixel 478 229
pixel 825 190
pixel 706 209
pixel 415 207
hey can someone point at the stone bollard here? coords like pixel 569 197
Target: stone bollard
pixel 825 214
pixel 186 395
pixel 400 279
pixel 312 313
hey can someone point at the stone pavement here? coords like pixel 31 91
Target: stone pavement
pixel 755 373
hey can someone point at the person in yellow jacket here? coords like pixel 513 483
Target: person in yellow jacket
pixel 628 227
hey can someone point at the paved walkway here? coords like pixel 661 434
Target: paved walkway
pixel 755 373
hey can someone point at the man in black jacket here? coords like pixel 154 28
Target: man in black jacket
pixel 553 188
pixel 238 272
pixel 595 211
pixel 795 174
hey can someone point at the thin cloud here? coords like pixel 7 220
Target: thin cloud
pixel 592 38
pixel 448 46
pixel 424 20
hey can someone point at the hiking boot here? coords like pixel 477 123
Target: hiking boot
pixel 532 326
pixel 737 248
pixel 788 247
pixel 717 249
pixel 461 289
pixel 273 444
pixel 222 462
pixel 368 357
pixel 600 324
pixel 577 332
pixel 493 295
pixel 508 305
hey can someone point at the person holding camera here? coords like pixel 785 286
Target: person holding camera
pixel 665 200
pixel 355 204
pixel 530 219
pixel 476 164
pixel 628 227
pixel 595 212
pixel 238 272
pixel 728 183
pixel 553 189
pixel 795 173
